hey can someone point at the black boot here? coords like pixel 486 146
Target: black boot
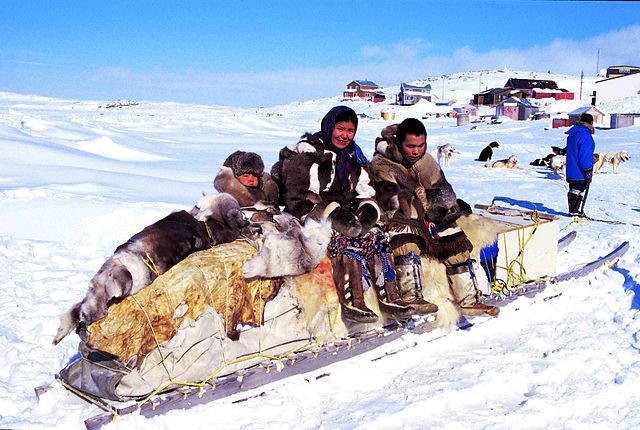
pixel 574 198
pixel 347 276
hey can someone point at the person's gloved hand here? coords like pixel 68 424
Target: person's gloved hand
pixel 368 216
pixel 588 175
pixel 345 222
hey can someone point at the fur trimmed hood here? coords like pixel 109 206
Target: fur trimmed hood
pixel 266 192
pixel 387 145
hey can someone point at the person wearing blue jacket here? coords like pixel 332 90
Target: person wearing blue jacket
pixel 580 148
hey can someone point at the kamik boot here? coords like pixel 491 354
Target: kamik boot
pixel 408 270
pixel 463 285
pixel 386 288
pixel 347 277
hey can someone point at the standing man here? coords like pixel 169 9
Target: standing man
pixel 580 148
pixel 421 211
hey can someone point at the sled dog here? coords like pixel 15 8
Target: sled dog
pixel 509 163
pixel 289 248
pixel 558 163
pixel 613 158
pixel 487 152
pixel 148 254
pixel 445 152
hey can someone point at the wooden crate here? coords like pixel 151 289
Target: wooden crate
pixel 527 245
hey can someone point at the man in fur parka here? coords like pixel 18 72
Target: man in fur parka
pixel 421 210
pixel 325 176
pixel 242 175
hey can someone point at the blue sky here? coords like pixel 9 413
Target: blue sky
pixel 259 53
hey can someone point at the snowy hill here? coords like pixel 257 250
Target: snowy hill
pixel 77 180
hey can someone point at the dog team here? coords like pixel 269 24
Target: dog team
pixel 373 219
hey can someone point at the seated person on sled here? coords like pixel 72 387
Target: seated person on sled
pixel 242 175
pixel 421 210
pixel 325 176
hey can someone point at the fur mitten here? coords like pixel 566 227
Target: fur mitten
pixel 345 222
pixel 368 216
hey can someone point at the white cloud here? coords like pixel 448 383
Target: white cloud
pixel 385 65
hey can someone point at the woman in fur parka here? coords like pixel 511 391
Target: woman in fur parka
pixel 421 210
pixel 242 175
pixel 324 176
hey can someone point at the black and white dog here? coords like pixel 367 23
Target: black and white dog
pixel 546 161
pixel 135 264
pixel 487 152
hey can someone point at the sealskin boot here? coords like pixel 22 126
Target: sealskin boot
pixel 347 276
pixel 409 283
pixel 387 290
pixel 463 285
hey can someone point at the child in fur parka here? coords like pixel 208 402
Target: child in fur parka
pixel 421 211
pixel 325 176
pixel 242 175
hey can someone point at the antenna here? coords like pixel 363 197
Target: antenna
pixel 598 63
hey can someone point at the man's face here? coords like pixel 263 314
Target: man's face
pixel 413 147
pixel 343 133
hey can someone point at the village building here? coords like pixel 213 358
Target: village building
pixel 412 94
pixel 518 109
pixel 522 88
pixel 617 87
pixel 360 89
pixel 539 89
pixel 492 96
pixel 615 71
pixel 597 114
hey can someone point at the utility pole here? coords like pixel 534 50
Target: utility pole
pixel 443 88
pixel 581 77
pixel 598 64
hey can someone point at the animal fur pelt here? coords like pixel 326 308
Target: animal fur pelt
pixel 289 248
pixel 481 232
pixel 135 264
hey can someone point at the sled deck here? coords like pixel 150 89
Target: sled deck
pixel 315 357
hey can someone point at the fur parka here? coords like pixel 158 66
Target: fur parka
pixel 306 174
pixel 252 200
pixel 406 192
pixel 400 186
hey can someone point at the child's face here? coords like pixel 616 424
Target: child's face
pixel 248 180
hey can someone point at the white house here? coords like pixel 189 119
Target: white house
pixel 617 88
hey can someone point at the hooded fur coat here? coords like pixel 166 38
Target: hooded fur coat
pixel 406 192
pixel 400 186
pixel 306 174
pixel 255 202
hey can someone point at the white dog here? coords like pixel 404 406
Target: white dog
pixel 613 158
pixel 148 254
pixel 445 152
pixel 509 163
pixel 558 163
pixel 289 248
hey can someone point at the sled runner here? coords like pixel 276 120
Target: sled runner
pixel 278 338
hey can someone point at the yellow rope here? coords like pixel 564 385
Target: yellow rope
pixel 512 279
pixel 151 264
pixel 202 384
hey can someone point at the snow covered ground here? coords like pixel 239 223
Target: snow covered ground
pixel 77 180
